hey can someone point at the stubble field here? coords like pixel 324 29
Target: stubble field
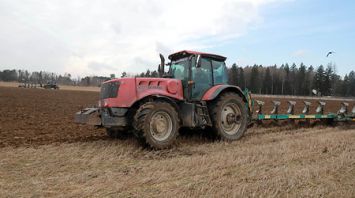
pixel 43 153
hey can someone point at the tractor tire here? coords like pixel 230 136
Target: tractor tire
pixel 157 124
pixel 229 116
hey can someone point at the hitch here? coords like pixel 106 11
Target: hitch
pixel 90 116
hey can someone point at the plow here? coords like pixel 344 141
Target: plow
pixel 192 93
pixel 343 114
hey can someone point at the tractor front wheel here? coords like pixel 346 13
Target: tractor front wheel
pixel 157 124
pixel 229 116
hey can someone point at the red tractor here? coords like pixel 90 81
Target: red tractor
pixel 193 93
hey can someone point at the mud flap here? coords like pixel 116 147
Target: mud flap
pixel 90 116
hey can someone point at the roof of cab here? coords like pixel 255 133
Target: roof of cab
pixel 184 53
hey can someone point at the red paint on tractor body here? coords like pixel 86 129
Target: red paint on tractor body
pixel 214 91
pixel 132 90
pixel 209 95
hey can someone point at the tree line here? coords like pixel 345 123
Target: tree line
pixel 288 79
pixel 43 77
pixel 279 80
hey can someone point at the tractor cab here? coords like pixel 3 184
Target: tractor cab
pixel 197 71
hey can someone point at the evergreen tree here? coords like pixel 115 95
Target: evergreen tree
pixel 301 77
pixel 345 87
pixel 318 81
pixel 233 75
pixel 328 81
pixel 287 81
pixel 293 79
pixel 154 74
pixel 273 79
pixel 241 78
pixel 267 82
pixel 351 86
pixel 308 81
pixel 147 74
pixel 254 79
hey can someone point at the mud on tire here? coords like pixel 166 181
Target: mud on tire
pixel 156 124
pixel 229 115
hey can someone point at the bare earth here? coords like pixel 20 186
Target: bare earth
pixel 43 153
pixel 62 87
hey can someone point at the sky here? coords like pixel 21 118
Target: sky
pixel 94 37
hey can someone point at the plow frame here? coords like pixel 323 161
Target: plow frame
pixel 343 115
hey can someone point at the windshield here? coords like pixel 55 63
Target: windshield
pixel 179 69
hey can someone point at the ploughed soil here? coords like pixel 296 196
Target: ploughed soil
pixel 38 116
pixel 32 117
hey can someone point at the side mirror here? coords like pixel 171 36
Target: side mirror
pixel 198 61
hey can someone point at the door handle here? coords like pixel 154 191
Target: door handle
pixel 191 82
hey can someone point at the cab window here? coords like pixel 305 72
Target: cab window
pixel 180 69
pixel 202 77
pixel 219 72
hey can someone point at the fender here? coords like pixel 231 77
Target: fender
pixel 172 101
pixel 216 90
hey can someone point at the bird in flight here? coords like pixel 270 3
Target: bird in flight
pixel 329 53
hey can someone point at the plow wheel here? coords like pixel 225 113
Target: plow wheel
pixel 230 116
pixel 157 124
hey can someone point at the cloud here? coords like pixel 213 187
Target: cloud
pixel 102 37
pixel 299 53
pixel 99 66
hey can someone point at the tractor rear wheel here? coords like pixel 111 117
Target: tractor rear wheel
pixel 229 116
pixel 157 124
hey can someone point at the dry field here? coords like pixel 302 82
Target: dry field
pixel 43 154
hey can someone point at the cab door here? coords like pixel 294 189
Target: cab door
pixel 201 76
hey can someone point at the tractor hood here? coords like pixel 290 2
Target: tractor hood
pixel 124 92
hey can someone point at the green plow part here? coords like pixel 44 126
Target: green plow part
pixel 343 114
pixel 289 116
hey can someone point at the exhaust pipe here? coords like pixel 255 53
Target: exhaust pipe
pixel 161 66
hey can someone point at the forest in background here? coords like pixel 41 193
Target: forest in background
pixel 276 80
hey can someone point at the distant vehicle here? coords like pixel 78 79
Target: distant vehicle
pixel 51 86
